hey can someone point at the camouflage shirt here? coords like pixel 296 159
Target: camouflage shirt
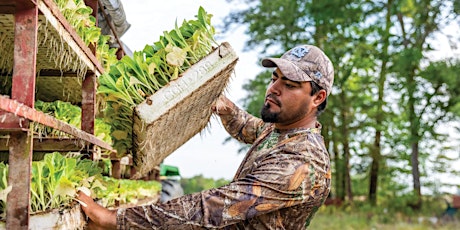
pixel 283 180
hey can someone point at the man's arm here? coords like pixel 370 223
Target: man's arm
pixel 271 186
pixel 238 123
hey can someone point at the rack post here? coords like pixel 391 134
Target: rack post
pixel 23 90
pixel 88 101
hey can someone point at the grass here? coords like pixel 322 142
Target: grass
pixel 331 218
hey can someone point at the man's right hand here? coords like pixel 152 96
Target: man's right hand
pixel 223 106
pixel 99 217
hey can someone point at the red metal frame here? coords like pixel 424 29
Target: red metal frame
pixel 88 102
pixel 23 90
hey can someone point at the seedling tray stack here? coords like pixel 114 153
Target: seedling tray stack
pixel 61 61
pixel 174 114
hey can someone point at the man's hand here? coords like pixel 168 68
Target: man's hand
pixel 223 106
pixel 99 217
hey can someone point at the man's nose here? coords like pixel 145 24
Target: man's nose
pixel 274 88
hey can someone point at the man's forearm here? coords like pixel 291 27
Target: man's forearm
pixel 104 218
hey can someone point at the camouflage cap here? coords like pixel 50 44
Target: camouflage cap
pixel 305 63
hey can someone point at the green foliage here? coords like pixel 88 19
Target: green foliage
pixel 71 114
pixel 56 178
pixel 443 76
pixel 60 110
pixel 80 18
pixel 4 188
pixel 124 191
pixel 199 183
pixel 360 185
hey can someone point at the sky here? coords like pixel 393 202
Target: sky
pixel 206 153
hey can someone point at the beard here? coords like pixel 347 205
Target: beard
pixel 282 116
pixel 268 116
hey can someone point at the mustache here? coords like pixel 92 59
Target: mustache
pixel 273 98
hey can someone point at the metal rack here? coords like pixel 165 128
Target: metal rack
pixel 22 22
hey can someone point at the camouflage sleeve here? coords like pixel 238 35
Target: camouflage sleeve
pixel 273 184
pixel 242 126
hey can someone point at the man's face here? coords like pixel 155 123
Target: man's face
pixel 286 101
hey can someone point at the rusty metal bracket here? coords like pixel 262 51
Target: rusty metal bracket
pixel 24 111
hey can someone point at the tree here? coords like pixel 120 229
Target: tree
pixel 422 101
pixel 379 116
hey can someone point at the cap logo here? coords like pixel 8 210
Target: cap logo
pixel 318 75
pixel 299 52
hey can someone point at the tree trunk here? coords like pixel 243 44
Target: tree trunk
pixel 416 177
pixel 374 173
pixel 346 149
pixel 346 167
pixel 376 150
pixel 331 139
pixel 339 182
pixel 414 138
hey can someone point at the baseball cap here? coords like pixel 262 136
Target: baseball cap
pixel 305 63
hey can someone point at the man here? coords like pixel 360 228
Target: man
pixel 285 176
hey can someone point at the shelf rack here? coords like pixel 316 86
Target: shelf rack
pixel 28 29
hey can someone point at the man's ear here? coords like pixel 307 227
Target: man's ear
pixel 319 97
